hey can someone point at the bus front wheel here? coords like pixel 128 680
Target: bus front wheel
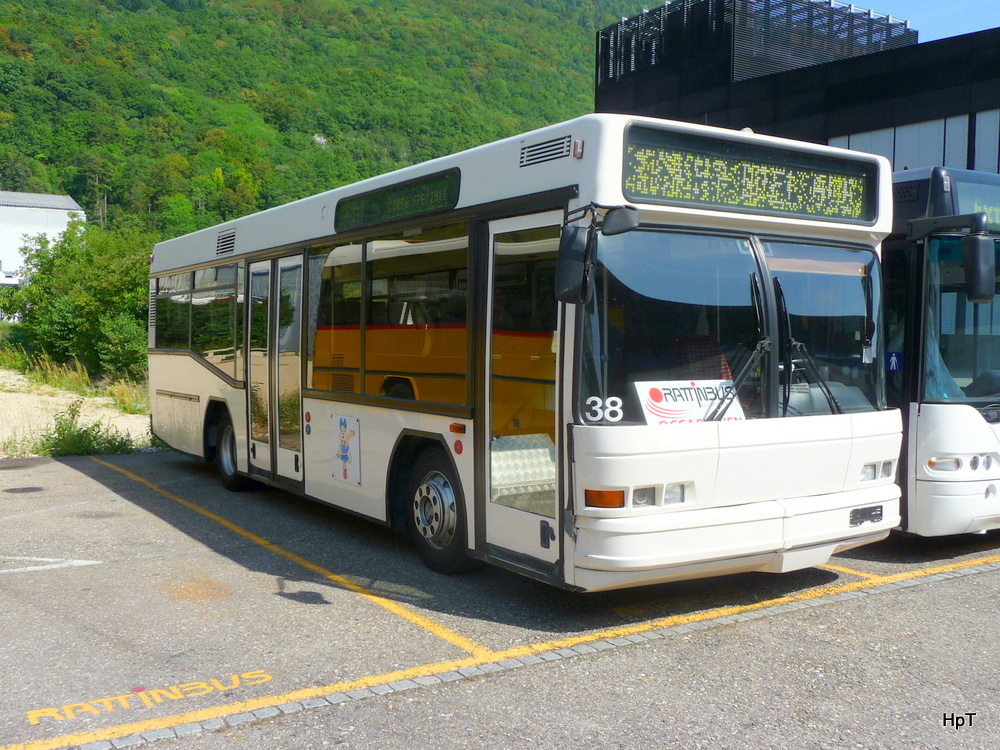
pixel 225 458
pixel 436 514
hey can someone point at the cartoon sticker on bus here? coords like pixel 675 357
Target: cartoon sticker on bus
pixel 346 464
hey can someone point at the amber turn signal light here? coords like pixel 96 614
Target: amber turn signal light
pixel 604 498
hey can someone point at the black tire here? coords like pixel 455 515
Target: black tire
pixel 435 514
pixel 225 458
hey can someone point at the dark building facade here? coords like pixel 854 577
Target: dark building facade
pixel 928 104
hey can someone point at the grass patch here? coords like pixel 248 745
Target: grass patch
pixel 68 377
pixel 13 358
pixel 129 397
pixel 69 437
pixel 42 369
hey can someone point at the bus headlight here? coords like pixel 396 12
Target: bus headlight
pixel 869 472
pixel 673 493
pixel 643 497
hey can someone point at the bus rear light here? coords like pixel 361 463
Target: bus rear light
pixel 457 427
pixel 945 464
pixel 604 498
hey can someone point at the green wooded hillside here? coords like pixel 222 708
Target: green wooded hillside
pixel 182 113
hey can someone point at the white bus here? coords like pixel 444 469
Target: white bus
pixel 943 355
pixel 611 352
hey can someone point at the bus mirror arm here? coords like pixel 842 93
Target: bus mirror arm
pixel 917 229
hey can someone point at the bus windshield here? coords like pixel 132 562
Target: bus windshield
pixel 677 330
pixel 962 360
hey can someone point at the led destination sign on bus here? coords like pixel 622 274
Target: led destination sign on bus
pixel 685 169
pixel 437 192
pixel 975 193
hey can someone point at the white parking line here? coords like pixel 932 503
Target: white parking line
pixel 51 563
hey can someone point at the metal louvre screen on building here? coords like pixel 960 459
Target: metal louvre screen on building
pixel 685 169
pixel 771 36
pixel 742 39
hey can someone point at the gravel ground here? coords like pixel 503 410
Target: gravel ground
pixel 27 409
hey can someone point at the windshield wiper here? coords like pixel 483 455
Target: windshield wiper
pixel 763 345
pixel 867 354
pixel 814 372
pixel 797 346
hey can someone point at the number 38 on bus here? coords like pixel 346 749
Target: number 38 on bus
pixel 611 352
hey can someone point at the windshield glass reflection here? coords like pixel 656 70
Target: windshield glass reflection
pixel 676 330
pixel 671 311
pixel 962 361
pixel 829 327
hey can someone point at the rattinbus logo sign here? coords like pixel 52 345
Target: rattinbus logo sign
pixel 685 401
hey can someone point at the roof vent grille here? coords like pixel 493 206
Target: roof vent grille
pixel 558 148
pixel 226 242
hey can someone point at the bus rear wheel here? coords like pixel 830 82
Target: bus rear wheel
pixel 436 514
pixel 225 458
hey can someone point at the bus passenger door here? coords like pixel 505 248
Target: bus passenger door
pixel 276 368
pixel 521 507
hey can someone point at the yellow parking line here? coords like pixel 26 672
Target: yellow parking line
pixel 848 571
pixel 445 634
pixel 428 670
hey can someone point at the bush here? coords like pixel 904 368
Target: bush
pixel 70 438
pixel 121 347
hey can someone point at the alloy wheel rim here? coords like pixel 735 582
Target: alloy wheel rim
pixel 435 511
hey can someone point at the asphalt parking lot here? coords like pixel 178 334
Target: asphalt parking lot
pixel 142 603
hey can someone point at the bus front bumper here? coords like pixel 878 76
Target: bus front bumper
pixel 945 508
pixel 776 536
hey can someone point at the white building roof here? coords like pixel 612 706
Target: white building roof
pixel 38 200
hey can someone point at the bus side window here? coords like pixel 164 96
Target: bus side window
pixel 416 334
pixel 173 311
pixel 335 319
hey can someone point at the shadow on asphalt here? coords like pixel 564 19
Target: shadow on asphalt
pixel 374 557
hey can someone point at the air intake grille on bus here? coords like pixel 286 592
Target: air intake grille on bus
pixel 342 383
pixel 558 148
pixel 226 242
pixel 904 191
pixel 152 303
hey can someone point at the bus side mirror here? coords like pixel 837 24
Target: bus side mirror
pixel 619 220
pixel 572 268
pixel 575 264
pixel 979 262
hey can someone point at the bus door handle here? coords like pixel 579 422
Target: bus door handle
pixel 547 534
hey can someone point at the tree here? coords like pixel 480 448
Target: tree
pixel 83 296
